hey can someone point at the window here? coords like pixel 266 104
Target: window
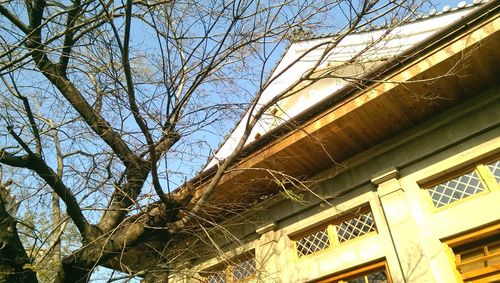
pixel 477 256
pixel 494 167
pixel 313 242
pixel 478 179
pixel 355 225
pixel 239 270
pixel 216 277
pixel 373 277
pixel 373 273
pixel 480 259
pixel 244 269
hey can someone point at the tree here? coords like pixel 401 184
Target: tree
pixel 108 106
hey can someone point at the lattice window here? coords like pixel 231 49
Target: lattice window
pixel 312 243
pixel 456 189
pixel 355 227
pixel 343 230
pixel 240 269
pixel 219 277
pixel 244 269
pixel 479 179
pixel 495 170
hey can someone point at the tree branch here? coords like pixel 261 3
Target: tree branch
pixel 37 164
pixel 68 37
pixel 14 19
pixel 15 265
pixel 36 133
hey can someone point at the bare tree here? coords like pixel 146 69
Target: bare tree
pixel 109 106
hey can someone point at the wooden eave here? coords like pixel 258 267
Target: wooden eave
pixel 432 83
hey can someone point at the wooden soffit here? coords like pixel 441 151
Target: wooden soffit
pixel 448 75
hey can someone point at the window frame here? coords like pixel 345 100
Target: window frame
pixel 331 231
pixel 352 273
pixel 480 168
pixel 227 268
pixel 463 239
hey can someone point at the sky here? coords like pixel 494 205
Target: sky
pixel 212 138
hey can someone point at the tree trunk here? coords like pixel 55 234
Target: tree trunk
pixel 15 265
pixel 72 273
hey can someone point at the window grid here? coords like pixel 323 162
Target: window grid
pixel 495 170
pixel 244 269
pixel 314 242
pixel 456 189
pixel 334 234
pixel 237 271
pixel 355 227
pixel 218 277
pixel 481 178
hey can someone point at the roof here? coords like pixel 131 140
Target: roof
pixel 433 12
pixel 370 48
pixel 409 113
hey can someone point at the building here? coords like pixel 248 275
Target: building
pixel 393 180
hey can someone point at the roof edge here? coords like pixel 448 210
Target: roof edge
pixel 455 28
